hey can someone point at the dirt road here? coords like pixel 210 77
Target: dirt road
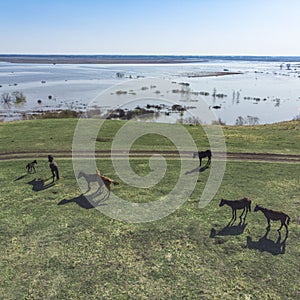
pixel 268 157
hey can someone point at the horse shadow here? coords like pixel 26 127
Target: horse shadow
pixel 21 177
pixel 39 185
pixel 84 201
pixel 198 169
pixel 229 230
pixel 268 245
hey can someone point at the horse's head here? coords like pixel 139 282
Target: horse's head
pixel 256 208
pixel 35 162
pixel 80 174
pixel 222 202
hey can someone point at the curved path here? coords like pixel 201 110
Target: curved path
pixel 269 157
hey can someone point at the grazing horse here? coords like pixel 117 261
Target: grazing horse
pixel 244 204
pixel 275 216
pixel 30 167
pixel 53 167
pixel 99 178
pixel 203 154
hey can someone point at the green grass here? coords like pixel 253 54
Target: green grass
pixel 272 138
pixel 52 247
pixel 51 251
pixel 57 135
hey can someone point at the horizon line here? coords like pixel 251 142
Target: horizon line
pixel 122 54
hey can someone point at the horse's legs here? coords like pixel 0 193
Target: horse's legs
pixel 200 159
pixel 234 215
pixel 209 161
pixel 53 175
pixel 279 238
pixel 247 210
pixel 243 213
pixel 282 222
pixel 286 227
pixel 100 183
pixel 57 174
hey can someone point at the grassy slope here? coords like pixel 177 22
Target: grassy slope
pixel 51 251
pixel 46 135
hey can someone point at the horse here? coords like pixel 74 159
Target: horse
pixel 243 203
pixel 275 216
pixel 99 178
pixel 30 167
pixel 53 167
pixel 203 154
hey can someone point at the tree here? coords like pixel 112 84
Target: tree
pixel 19 97
pixel 6 98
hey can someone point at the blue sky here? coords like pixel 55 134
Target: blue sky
pixel 192 27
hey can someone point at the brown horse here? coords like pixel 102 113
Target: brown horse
pixel 30 167
pixel 244 204
pixel 203 154
pixel 99 178
pixel 275 216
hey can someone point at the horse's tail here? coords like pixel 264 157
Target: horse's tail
pixel 288 219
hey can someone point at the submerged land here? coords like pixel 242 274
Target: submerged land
pixel 229 84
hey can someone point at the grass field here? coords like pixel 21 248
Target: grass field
pixel 54 245
pixel 44 135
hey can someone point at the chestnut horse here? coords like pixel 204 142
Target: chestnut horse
pixel 99 178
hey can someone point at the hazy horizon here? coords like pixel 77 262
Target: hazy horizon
pixel 149 54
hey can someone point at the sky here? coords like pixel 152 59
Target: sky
pixel 166 27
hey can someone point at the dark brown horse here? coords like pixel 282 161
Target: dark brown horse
pixel 244 204
pixel 275 216
pixel 30 167
pixel 203 154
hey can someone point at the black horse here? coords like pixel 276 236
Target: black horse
pixel 54 167
pixel 203 154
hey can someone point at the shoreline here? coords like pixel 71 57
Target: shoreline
pixel 136 59
pixel 31 59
